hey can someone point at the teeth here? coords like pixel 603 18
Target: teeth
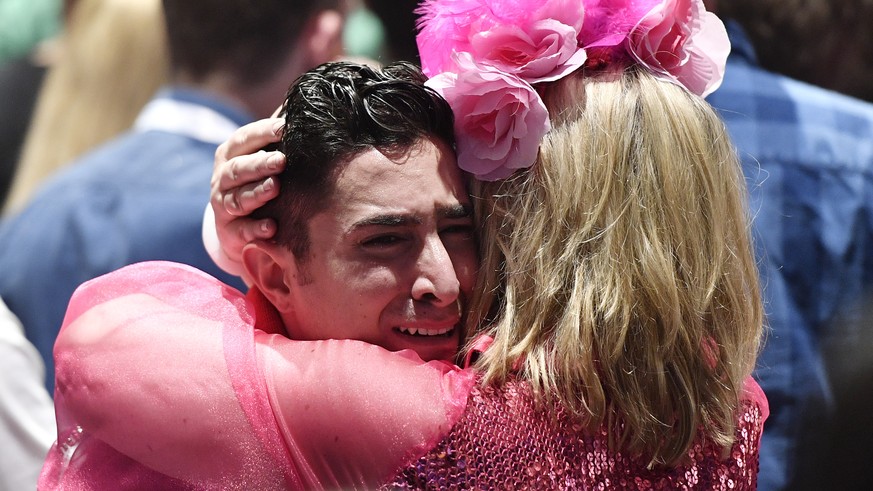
pixel 414 331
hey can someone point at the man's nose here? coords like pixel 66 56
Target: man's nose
pixel 436 280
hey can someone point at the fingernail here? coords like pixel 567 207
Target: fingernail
pixel 268 184
pixel 276 161
pixel 265 227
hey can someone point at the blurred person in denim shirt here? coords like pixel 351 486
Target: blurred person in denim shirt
pixel 807 153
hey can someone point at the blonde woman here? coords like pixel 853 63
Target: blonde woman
pixel 625 252
pixel 106 66
pixel 617 294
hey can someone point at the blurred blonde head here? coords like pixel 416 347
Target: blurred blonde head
pixel 618 274
pixel 113 57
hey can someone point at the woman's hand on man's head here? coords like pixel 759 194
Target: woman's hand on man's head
pixel 243 179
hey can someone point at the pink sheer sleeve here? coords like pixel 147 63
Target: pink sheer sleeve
pixel 355 412
pixel 159 362
pixel 140 366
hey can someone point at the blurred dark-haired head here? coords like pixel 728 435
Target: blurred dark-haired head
pixel 243 40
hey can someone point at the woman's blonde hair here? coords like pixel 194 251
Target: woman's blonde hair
pixel 617 274
pixel 112 58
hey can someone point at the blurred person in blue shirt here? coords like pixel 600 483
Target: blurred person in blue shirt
pixel 807 154
pixel 92 90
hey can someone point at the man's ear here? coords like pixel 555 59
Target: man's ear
pixel 325 40
pixel 267 264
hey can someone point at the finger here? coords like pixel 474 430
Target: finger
pixel 249 139
pixel 262 229
pixel 237 233
pixel 245 199
pixel 246 169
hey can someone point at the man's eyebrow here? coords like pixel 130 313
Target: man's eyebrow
pixel 455 211
pixel 387 220
pixel 397 220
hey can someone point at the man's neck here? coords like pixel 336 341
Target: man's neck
pixel 260 99
pixel 219 85
pixel 267 318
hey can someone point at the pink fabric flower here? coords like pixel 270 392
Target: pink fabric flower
pixel 484 56
pixel 684 43
pixel 499 118
pixel 536 40
pixel 608 22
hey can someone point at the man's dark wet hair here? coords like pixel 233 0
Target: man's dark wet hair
pixel 335 112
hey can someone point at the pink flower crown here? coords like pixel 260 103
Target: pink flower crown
pixel 485 57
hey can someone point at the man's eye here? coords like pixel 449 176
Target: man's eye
pixel 465 229
pixel 382 241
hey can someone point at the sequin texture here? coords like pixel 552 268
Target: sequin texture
pixel 504 443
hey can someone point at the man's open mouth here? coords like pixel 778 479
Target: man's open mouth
pixel 421 332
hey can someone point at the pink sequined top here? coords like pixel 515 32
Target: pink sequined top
pixel 504 442
pixel 168 379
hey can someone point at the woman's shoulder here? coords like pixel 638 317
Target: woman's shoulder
pixel 754 398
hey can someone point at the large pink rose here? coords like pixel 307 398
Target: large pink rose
pixel 499 118
pixel 544 51
pixel 681 41
pixel 534 39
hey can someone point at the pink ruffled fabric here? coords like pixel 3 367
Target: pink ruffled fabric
pixel 164 383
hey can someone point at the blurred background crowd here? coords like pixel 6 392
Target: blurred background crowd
pixel 90 89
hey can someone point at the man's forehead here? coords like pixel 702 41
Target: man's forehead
pixel 425 171
pixel 374 189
